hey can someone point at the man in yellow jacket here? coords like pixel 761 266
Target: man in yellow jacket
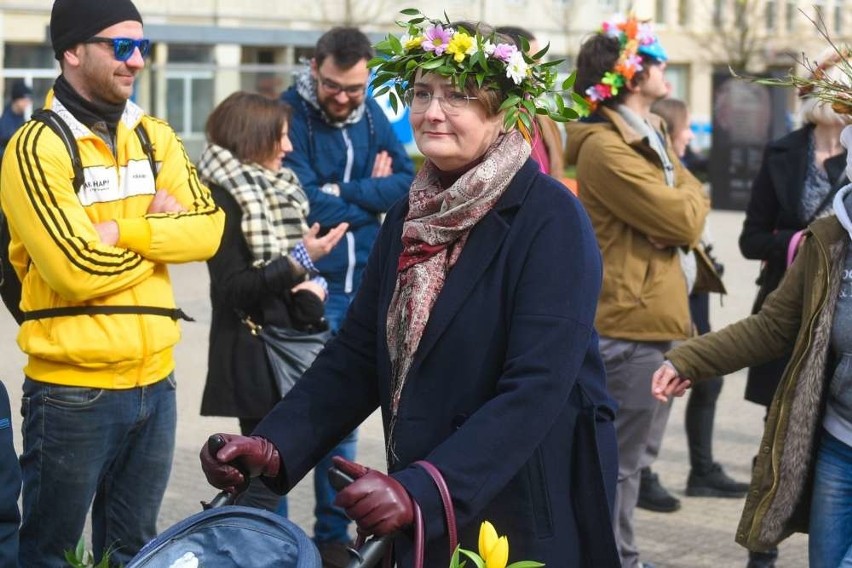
pixel 100 318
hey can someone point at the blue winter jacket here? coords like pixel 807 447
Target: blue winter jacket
pixel 9 124
pixel 324 153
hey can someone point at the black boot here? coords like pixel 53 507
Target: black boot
pixel 762 559
pixel 714 483
pixel 653 496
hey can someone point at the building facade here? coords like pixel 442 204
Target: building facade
pixel 206 49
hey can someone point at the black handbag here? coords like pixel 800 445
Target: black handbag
pixel 290 352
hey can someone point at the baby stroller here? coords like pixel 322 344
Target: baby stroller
pixel 226 535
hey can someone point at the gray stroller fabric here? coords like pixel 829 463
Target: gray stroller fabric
pixel 230 536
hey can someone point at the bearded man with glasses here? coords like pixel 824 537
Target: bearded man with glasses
pixel 353 168
pixel 100 322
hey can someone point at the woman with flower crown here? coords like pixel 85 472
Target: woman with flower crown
pixel 472 331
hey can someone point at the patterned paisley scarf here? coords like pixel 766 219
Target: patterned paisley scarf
pixel 434 233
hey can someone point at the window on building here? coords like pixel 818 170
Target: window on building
pixel 790 16
pixel 32 64
pixel 182 92
pixel 677 74
pixel 660 11
pixel 838 17
pixel 262 70
pixel 683 13
pixel 771 15
pixel 718 8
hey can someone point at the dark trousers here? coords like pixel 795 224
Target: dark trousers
pixel 10 486
pixel 701 407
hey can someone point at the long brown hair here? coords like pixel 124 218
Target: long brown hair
pixel 673 112
pixel 249 125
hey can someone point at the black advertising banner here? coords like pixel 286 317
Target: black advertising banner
pixel 745 117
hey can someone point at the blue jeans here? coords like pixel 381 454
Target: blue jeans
pixel 830 543
pixel 332 524
pixel 10 486
pixel 82 444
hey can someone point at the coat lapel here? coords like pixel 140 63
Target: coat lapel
pixel 482 246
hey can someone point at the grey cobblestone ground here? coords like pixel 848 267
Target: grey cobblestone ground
pixel 699 535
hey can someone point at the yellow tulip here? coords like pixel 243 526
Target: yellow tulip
pixel 487 538
pixel 494 550
pixel 499 555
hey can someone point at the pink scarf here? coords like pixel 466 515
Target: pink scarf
pixel 433 236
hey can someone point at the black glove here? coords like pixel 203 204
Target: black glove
pixel 378 503
pixel 251 456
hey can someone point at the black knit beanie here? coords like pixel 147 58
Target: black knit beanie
pixel 75 21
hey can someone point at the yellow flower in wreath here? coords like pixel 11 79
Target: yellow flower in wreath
pixel 460 45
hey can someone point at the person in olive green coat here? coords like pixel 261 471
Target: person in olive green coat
pixel 808 429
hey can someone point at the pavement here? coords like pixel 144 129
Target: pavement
pixel 700 534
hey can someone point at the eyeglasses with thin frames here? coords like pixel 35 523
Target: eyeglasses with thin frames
pixel 123 47
pixel 419 100
pixel 335 88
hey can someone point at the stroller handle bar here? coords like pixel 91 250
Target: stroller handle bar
pixel 370 553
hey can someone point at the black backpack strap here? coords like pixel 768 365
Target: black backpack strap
pixel 172 313
pixel 58 126
pixel 147 147
pixel 61 129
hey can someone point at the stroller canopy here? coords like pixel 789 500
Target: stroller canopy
pixel 230 536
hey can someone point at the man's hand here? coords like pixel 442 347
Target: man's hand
pixel 108 232
pixel 164 202
pixel 667 382
pixel 318 247
pixel 378 503
pixel 383 166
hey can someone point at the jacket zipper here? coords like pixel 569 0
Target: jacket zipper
pixel 349 284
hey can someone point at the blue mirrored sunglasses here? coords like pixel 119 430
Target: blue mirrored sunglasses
pixel 123 47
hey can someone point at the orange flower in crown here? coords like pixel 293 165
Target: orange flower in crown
pixel 637 42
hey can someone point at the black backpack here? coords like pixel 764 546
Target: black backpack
pixel 10 286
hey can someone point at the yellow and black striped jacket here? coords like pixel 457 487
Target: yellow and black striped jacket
pixel 57 253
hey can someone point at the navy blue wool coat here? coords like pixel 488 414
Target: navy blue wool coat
pixel 506 395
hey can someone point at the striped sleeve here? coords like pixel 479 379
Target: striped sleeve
pixel 184 237
pixel 46 216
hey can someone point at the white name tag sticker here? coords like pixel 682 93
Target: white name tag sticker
pixel 106 184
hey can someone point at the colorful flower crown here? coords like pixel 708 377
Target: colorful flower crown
pixel 819 84
pixel 636 39
pixel 437 47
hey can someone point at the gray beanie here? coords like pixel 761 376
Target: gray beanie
pixel 75 21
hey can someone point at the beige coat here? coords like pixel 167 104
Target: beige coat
pixel 623 187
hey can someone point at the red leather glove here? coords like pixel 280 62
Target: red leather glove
pixel 251 454
pixel 378 503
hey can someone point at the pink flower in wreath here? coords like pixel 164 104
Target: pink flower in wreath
pixel 504 52
pixel 437 39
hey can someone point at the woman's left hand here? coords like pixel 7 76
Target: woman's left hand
pixel 311 287
pixel 318 247
pixel 378 503
pixel 667 382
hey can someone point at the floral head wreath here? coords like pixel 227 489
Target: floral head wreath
pixel 817 83
pixel 817 79
pixel 435 46
pixel 636 41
